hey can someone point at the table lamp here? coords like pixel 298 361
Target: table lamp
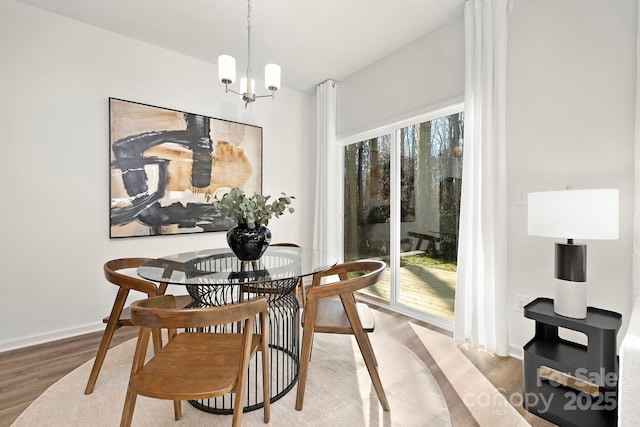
pixel 573 214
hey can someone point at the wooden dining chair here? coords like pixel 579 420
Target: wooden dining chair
pixel 197 365
pixel 120 316
pixel 300 285
pixel 332 308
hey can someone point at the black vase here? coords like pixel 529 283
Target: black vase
pixel 248 243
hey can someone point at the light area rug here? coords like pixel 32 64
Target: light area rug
pixel 338 393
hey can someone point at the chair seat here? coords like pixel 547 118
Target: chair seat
pixel 182 301
pixel 209 367
pixel 331 317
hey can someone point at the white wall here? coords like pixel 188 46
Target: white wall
pixel 56 77
pixel 570 121
pixel 427 72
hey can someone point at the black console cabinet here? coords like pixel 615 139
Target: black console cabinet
pixel 568 383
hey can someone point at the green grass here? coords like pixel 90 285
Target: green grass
pixel 426 261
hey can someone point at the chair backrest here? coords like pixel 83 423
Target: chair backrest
pixel 111 273
pixel 369 273
pixel 160 312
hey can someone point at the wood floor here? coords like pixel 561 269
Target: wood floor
pixel 26 373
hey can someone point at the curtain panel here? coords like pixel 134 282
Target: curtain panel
pixel 635 265
pixel 326 229
pixel 480 303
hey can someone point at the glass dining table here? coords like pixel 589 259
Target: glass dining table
pixel 217 277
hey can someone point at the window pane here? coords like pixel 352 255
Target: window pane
pixel 367 191
pixel 431 179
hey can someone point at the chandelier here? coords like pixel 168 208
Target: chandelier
pixel 227 72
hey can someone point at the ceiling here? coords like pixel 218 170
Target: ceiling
pixel 312 40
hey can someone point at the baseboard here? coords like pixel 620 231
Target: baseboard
pixel 516 352
pixel 14 344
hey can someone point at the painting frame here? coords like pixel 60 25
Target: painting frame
pixel 166 165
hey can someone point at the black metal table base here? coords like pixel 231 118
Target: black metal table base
pixel 224 405
pixel 284 333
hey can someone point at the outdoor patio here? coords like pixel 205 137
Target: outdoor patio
pixel 421 287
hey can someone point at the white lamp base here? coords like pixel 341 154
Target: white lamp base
pixel 571 299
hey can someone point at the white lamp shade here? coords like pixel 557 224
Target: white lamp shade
pixel 226 69
pixel 272 77
pixel 243 85
pixel 574 214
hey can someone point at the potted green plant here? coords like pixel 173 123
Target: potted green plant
pixel 250 237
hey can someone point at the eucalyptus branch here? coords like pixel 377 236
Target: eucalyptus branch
pixel 251 211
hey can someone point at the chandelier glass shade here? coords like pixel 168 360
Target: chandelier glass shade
pixel 227 72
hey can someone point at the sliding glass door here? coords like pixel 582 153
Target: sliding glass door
pixel 367 205
pixel 402 204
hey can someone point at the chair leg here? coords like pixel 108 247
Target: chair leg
pixel 305 352
pixel 368 341
pixel 303 290
pixel 238 406
pixel 366 349
pixel 112 325
pixel 127 411
pixel 177 409
pixel 265 384
pixel 236 421
pixel 241 381
pixel 369 360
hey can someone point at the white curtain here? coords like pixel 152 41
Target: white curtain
pixel 635 269
pixel 480 306
pixel 326 225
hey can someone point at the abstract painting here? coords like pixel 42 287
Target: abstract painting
pixel 166 165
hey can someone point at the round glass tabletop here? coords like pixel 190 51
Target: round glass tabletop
pixel 221 266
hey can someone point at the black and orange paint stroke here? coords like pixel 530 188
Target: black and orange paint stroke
pixel 165 162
